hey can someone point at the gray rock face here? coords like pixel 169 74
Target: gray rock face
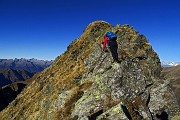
pixel 84 83
pixel 134 83
pixel 124 84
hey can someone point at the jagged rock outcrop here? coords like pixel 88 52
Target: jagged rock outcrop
pixel 83 83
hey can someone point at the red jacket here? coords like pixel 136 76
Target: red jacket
pixel 106 41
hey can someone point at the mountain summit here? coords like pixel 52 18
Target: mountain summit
pixel 83 83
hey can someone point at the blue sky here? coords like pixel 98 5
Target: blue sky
pixel 43 29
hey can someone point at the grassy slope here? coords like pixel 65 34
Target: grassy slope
pixel 173 73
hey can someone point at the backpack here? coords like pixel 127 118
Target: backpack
pixel 111 36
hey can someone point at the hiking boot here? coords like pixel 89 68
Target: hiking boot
pixel 117 61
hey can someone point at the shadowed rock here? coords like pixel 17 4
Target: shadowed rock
pixel 83 81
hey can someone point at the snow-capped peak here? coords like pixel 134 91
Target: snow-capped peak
pixel 169 63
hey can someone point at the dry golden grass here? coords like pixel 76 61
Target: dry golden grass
pixel 63 113
pixel 173 74
pixel 167 95
pixel 64 70
pixel 109 102
pixel 48 84
pixel 76 94
pixel 133 107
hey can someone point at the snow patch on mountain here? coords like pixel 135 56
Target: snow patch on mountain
pixel 169 63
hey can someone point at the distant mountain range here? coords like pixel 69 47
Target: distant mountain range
pixel 30 65
pixel 8 76
pixel 13 70
pixel 15 74
pixel 173 74
pixel 169 63
pixel 83 83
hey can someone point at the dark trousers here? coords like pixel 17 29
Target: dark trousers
pixel 113 48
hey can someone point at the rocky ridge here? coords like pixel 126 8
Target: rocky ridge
pixel 83 83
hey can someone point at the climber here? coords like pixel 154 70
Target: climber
pixel 110 41
pixel 105 48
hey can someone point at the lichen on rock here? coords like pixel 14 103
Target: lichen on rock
pixel 86 84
